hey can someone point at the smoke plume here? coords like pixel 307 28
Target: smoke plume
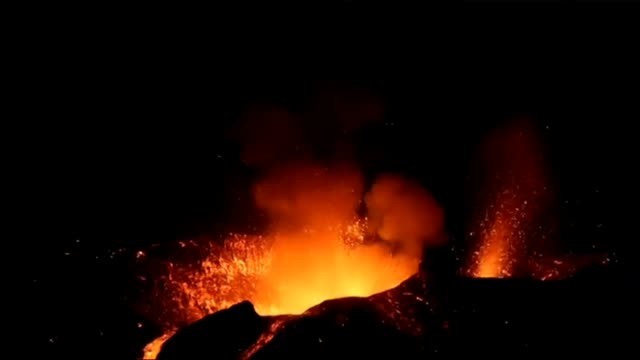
pixel 305 187
pixel 327 235
pixel 305 195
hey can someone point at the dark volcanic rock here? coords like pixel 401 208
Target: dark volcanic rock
pixel 471 317
pixel 349 327
pixel 223 335
pixel 580 315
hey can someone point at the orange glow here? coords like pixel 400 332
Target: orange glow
pixel 516 221
pixel 516 181
pixel 282 275
pixel 318 246
pixel 152 349
pixel 316 249
pixel 494 261
pixel 501 239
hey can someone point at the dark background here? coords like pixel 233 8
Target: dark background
pixel 127 147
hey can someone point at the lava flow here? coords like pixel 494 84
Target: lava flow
pixel 317 248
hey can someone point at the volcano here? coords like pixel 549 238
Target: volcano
pixel 351 267
pixel 427 315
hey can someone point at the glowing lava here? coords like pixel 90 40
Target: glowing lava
pixel 502 238
pixel 152 349
pixel 317 247
pixel 281 275
pixel 287 277
pixel 509 230
pixel 493 257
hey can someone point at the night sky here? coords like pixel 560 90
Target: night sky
pixel 129 132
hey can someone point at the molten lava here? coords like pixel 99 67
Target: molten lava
pixel 316 248
pixel 152 349
pixel 287 277
pixel 283 275
pixel 502 237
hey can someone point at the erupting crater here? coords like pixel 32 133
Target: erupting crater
pixel 320 267
pixel 283 275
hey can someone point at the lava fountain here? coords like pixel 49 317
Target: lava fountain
pixel 517 193
pixel 317 247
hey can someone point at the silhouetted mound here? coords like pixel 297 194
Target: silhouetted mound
pixel 223 335
pixel 345 327
pixel 469 317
